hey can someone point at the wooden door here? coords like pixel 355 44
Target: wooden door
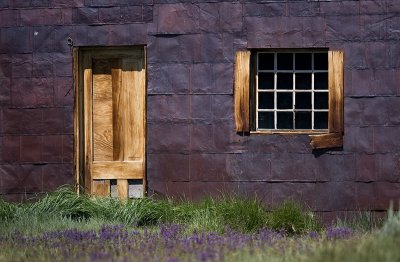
pixel 113 112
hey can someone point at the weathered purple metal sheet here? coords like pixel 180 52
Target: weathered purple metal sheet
pixel 192 149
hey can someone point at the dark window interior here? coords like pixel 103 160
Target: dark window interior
pixel 285 61
pixel 299 83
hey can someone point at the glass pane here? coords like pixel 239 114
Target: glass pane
pixel 321 81
pixel 285 61
pixel 303 81
pixel 303 61
pixel 321 100
pixel 303 100
pixel 265 80
pixel 266 120
pixel 320 120
pixel 284 81
pixel 303 120
pixel 266 100
pixel 320 61
pixel 266 61
pixel 285 120
pixel 284 100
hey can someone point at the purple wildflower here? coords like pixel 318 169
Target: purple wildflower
pixel 313 234
pixel 338 232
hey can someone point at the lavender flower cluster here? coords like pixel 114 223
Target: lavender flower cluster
pixel 338 232
pixel 166 243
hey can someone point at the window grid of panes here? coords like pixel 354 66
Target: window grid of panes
pixel 292 91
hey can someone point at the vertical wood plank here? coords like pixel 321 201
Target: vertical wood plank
pixel 242 91
pixel 336 96
pixel 133 86
pixel 76 120
pixel 102 110
pixel 118 101
pixel 122 188
pixel 87 78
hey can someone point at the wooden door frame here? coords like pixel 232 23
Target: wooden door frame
pixel 81 57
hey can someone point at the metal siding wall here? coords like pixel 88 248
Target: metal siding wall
pixel 192 147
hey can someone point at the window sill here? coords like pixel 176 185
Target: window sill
pixel 289 132
pixel 318 139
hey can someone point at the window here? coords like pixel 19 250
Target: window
pixel 297 91
pixel 291 91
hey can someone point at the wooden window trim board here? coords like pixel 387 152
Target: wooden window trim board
pixel 243 94
pixel 242 91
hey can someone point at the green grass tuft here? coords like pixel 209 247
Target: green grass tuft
pixel 246 215
pixel 214 214
pixel 65 203
pixel 7 211
pixel 291 217
pixel 141 212
pixel 362 221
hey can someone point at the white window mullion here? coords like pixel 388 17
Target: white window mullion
pixel 294 93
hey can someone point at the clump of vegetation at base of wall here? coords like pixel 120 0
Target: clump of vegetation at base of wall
pixel 243 214
pixel 136 212
pixel 362 221
pixel 7 210
pixel 211 214
pixel 291 217
pixel 64 202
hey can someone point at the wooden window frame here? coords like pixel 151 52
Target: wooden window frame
pixel 244 94
pixel 255 71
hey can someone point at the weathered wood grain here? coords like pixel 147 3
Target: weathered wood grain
pixel 101 188
pixel 122 188
pixel 330 140
pixel 102 110
pixel 242 91
pixel 87 116
pixel 336 99
pixel 115 95
pixel 117 170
